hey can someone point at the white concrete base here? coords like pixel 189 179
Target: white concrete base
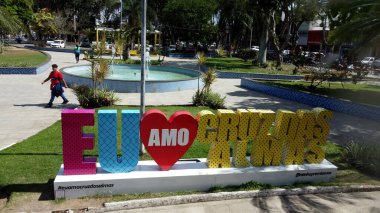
pixel 184 176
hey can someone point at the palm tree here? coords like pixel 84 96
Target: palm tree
pixel 9 24
pixel 360 22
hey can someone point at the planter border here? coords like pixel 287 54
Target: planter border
pixel 334 104
pixel 28 70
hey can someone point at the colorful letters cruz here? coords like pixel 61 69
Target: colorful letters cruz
pixel 282 137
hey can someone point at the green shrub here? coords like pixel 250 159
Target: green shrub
pixel 221 52
pixel 90 98
pixel 210 99
pixel 247 54
pixel 264 65
pixel 364 157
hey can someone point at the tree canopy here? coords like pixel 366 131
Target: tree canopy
pixel 356 22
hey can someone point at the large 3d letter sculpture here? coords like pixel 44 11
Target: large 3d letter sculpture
pixel 107 127
pixel 74 142
pixel 167 141
pixel 293 139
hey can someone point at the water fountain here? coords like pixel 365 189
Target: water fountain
pixel 126 78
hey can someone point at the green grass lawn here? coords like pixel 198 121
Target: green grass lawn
pixel 239 65
pixel 31 166
pixel 360 93
pixel 19 57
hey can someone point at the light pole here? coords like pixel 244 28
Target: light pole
pixel 143 62
pixel 121 14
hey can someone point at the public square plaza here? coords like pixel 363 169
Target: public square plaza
pixel 313 90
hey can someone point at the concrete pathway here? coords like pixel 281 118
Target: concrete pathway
pixel 346 202
pixel 22 101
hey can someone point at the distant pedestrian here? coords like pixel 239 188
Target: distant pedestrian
pixel 77 52
pixel 56 79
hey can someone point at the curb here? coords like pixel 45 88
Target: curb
pixel 176 200
pixel 40 68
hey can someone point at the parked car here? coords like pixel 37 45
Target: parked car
pixel 20 39
pixel 255 48
pixel 368 61
pixel 58 44
pixel 172 48
pixel 376 64
pixel 85 42
pixel 49 42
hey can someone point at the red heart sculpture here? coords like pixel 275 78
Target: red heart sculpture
pixel 167 141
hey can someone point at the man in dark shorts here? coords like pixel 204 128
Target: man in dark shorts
pixel 55 78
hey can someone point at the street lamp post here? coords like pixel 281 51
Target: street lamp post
pixel 143 63
pixel 121 14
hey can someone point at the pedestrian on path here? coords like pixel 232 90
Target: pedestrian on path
pixel 77 53
pixel 56 79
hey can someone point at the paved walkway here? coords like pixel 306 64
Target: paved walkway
pixel 23 99
pixel 324 203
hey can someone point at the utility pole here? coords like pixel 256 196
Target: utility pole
pixel 143 63
pixel 121 14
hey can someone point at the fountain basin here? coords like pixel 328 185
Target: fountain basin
pixel 126 78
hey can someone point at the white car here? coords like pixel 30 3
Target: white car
pixel 49 42
pixel 172 48
pixel 368 61
pixel 376 64
pixel 255 48
pixel 58 44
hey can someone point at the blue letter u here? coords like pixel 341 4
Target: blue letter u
pixel 130 138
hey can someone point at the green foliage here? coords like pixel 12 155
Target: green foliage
pixel 101 48
pixel 364 157
pixel 206 97
pixel 20 64
pixel 247 54
pixel 356 21
pixel 201 58
pixel 210 99
pixel 99 71
pixel 119 45
pixel 85 54
pixel 208 78
pixel 238 65
pixel 190 20
pixel 221 52
pixel 2 47
pixel 360 93
pixel 133 61
pixel 90 98
pixel 43 23
pixel 264 65
pixel 9 23
pixel 21 58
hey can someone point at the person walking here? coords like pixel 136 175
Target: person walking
pixel 77 52
pixel 55 78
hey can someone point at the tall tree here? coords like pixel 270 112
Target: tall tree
pixel 285 25
pixel 44 23
pixel 266 9
pixel 9 24
pixel 20 10
pixel 236 19
pixel 190 20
